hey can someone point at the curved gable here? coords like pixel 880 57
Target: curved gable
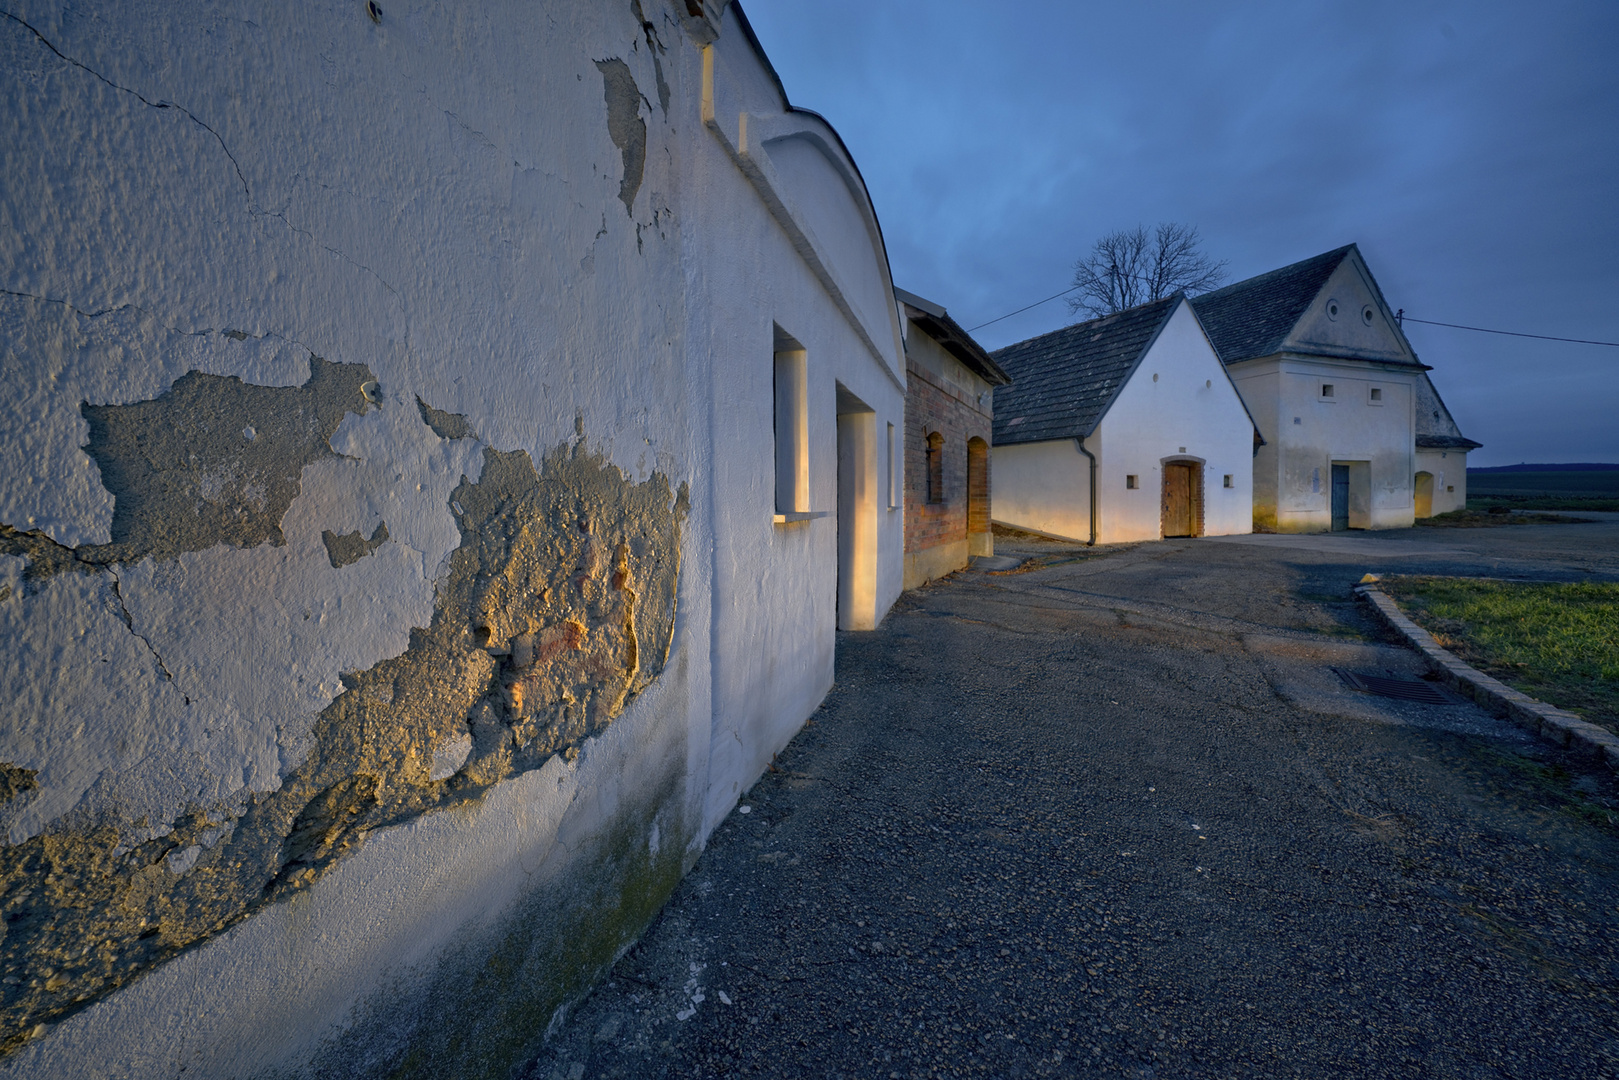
pixel 839 219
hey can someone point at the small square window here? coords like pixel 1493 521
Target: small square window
pixel 1131 481
pixel 1326 389
pixel 1450 487
pixel 1377 393
pixel 1228 482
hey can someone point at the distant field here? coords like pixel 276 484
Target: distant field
pixel 1592 483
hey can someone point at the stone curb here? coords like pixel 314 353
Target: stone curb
pixel 1561 727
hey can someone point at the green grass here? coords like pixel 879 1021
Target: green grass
pixel 1555 642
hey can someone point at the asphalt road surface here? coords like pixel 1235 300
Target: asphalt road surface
pixel 1115 815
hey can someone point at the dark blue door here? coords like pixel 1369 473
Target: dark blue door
pixel 1340 498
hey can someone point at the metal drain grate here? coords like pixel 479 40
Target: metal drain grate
pixel 1403 689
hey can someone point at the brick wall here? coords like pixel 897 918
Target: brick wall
pixel 933 406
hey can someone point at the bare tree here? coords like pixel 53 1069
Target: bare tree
pixel 1130 267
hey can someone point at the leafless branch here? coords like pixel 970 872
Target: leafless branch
pixel 1131 267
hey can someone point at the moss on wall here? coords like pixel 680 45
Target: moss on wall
pixel 486 1007
pixel 557 608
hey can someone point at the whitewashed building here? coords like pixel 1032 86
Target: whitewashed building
pixel 1122 428
pixel 1440 484
pixel 438 444
pixel 1337 392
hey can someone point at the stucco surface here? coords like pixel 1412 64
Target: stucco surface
pixel 369 384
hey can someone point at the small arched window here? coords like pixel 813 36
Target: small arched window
pixel 935 456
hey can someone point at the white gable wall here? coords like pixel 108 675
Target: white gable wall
pixel 1178 405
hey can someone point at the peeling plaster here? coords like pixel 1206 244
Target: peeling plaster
pixel 625 125
pixel 214 459
pixel 446 425
pixel 352 547
pixel 557 608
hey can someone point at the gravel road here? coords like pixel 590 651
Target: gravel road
pixel 1114 815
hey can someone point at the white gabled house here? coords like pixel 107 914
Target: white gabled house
pixel 1122 428
pixel 1355 433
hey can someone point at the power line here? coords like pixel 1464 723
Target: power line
pixel 1402 317
pixel 1021 310
pixel 1509 333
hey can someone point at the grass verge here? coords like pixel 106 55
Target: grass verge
pixel 1555 642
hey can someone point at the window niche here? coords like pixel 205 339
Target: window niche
pixel 893 472
pixel 792 425
pixel 934 452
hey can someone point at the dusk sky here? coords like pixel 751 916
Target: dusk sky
pixel 1470 149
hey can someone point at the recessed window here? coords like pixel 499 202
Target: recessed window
pixel 935 464
pixel 1377 393
pixel 792 425
pixel 1228 482
pixel 1326 389
pixel 1450 487
pixel 1132 481
pixel 1366 315
pixel 1332 309
pixel 893 471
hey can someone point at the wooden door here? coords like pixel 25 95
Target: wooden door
pixel 1179 514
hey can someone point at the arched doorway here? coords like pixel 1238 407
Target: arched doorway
pixel 1182 506
pixel 979 539
pixel 1424 493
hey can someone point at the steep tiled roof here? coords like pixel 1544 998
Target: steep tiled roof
pixel 1252 318
pixel 1062 382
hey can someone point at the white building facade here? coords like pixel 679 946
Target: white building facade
pixel 1121 429
pixel 440 446
pixel 1336 391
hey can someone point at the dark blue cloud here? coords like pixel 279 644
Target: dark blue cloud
pixel 1472 150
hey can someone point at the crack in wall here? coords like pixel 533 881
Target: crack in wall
pixel 129 622
pixel 253 208
pixel 43 40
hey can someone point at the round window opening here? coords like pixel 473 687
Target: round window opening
pixel 1332 309
pixel 1366 315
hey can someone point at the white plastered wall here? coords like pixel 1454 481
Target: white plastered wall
pixel 1178 405
pixel 1313 431
pixel 445 204
pixel 1044 487
pixel 1449 471
pixel 776 583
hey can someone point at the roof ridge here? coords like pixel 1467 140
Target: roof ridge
pixel 1271 275
pixel 1073 327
